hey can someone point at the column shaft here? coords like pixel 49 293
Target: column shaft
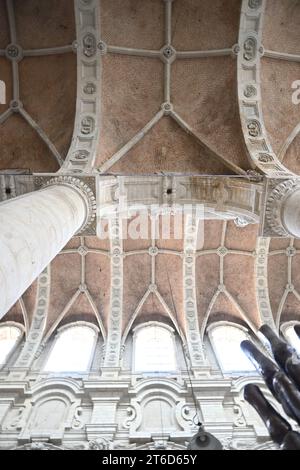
pixel 33 229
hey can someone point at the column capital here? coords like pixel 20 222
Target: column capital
pixel 282 208
pixel 85 187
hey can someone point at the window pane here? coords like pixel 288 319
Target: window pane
pixel 8 338
pixel 154 350
pixel 293 338
pixel 226 343
pixel 72 350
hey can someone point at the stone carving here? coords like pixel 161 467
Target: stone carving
pixel 254 128
pixel 222 251
pixel 90 88
pixel 32 344
pixel 249 88
pixel 194 341
pixel 153 251
pixel 291 251
pixel 168 52
pixel 14 52
pixel 262 291
pixel 250 49
pixel 239 421
pixel 239 444
pixel 161 444
pixel 112 356
pixel 87 14
pixel 255 4
pixel 101 443
pixel 77 422
pixel 87 125
pixel 250 91
pixel 131 415
pixel 81 155
pixel 89 45
pixel 102 47
pixel 274 205
pixel 16 420
pixel 265 158
pixel 241 222
pixel 236 49
pixel 38 446
pixel 216 192
pixel 187 415
pixel 85 191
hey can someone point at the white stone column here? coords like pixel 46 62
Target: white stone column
pixel 34 228
pixel 291 214
pixel 283 208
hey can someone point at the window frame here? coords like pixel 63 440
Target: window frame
pixel 216 351
pixel 134 337
pixel 58 335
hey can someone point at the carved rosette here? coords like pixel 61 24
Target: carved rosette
pixel 85 191
pixel 275 204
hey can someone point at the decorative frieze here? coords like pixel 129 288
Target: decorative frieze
pixel 38 324
pixel 113 346
pixel 224 196
pixel 194 341
pixel 259 148
pixel 82 152
pixel 86 187
pixel 261 282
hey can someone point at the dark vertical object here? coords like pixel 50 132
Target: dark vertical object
pixel 283 380
pixel 284 354
pixel 277 426
pixel 297 329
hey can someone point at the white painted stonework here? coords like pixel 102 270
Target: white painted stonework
pixel 34 228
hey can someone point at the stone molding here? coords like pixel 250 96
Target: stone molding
pixel 82 152
pixel 277 193
pixel 250 50
pixel 83 186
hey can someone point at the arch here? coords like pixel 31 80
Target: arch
pixel 11 334
pixel 225 338
pixel 154 348
pixel 290 335
pixel 73 348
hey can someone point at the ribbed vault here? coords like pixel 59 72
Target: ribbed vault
pixel 168 76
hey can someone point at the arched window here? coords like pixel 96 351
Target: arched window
pixel 291 335
pixel 154 348
pixel 226 339
pixel 72 349
pixel 10 334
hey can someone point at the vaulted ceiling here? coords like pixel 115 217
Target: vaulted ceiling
pixel 201 133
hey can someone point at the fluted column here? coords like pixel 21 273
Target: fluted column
pixel 283 209
pixel 34 228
